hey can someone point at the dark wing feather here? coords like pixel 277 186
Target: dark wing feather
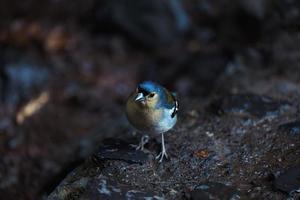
pixel 175 111
pixel 170 101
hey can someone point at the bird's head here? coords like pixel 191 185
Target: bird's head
pixel 148 94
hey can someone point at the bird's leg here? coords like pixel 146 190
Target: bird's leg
pixel 163 152
pixel 144 140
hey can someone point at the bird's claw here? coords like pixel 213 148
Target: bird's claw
pixel 139 147
pixel 161 155
pixel 144 140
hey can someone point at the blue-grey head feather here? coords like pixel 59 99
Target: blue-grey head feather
pixel 147 87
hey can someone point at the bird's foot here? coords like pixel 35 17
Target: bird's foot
pixel 144 140
pixel 161 155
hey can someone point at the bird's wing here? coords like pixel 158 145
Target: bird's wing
pixel 175 107
pixel 171 102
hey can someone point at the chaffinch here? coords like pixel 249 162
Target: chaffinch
pixel 152 109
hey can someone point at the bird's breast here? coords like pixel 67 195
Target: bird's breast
pixel 149 120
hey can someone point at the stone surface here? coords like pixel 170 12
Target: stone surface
pixel 202 146
pixel 250 104
pixel 151 23
pixel 21 80
pixel 211 190
pixel 113 149
pixel 291 127
pixel 289 180
pixel 102 188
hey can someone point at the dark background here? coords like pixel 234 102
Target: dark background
pixel 87 56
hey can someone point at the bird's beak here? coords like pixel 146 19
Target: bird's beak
pixel 139 97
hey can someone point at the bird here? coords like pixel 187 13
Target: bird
pixel 153 109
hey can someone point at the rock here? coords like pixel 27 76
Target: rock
pixel 3 82
pixel 284 52
pixel 152 23
pixel 105 175
pixel 256 8
pixel 289 181
pixel 291 127
pixel 58 39
pixel 21 80
pixel 113 149
pixel 206 69
pixel 213 190
pixel 289 12
pixel 103 188
pixel 249 104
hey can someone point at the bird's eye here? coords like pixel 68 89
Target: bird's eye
pixel 151 95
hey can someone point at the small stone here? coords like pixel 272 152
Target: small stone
pixel 113 149
pixel 202 153
pixel 213 190
pixel 289 181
